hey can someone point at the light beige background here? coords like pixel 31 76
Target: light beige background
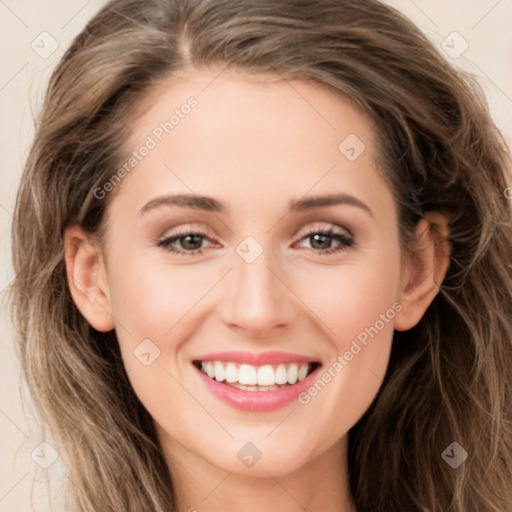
pixel 484 24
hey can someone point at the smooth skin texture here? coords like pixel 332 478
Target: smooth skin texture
pixel 257 147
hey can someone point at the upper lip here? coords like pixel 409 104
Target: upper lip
pixel 257 359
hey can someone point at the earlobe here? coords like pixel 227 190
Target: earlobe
pixel 87 278
pixel 425 270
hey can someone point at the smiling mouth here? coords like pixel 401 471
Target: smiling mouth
pixel 268 377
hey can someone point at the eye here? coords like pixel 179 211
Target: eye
pixel 190 242
pixel 322 240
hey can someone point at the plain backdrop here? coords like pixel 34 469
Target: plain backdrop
pixel 29 31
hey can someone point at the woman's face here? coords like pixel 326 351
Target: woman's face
pixel 262 291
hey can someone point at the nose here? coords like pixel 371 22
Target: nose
pixel 258 301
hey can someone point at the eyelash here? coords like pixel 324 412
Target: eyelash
pixel 345 242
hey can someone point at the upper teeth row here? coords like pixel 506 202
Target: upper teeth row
pixel 266 375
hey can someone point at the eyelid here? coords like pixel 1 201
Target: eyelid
pixel 312 227
pixel 321 226
pixel 186 228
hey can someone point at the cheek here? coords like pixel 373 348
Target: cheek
pixel 357 308
pixel 354 296
pixel 152 305
pixel 150 300
pixel 156 308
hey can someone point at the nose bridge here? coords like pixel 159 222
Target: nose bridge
pixel 257 300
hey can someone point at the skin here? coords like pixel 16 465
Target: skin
pixel 256 146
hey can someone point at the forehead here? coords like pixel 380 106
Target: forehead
pixel 219 133
pixel 238 95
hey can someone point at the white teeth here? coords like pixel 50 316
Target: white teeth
pixel 247 375
pixel 256 378
pixel 303 371
pixel 210 369
pixel 220 373
pixel 281 374
pixel 293 371
pixel 266 376
pixel 255 388
pixel 231 373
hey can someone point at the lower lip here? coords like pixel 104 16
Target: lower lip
pixel 257 401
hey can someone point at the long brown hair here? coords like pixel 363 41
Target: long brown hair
pixel 449 378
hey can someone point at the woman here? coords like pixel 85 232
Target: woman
pixel 262 259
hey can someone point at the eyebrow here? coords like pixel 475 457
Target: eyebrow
pixel 213 205
pixel 187 201
pixel 310 203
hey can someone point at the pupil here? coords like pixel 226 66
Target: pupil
pixel 187 245
pixel 315 239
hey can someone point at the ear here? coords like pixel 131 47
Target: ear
pixel 87 278
pixel 425 270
